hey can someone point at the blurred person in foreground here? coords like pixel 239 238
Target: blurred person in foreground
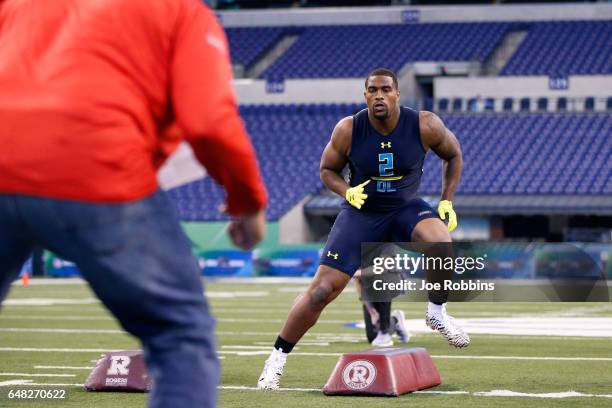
pixel 90 92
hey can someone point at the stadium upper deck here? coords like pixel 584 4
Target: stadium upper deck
pixel 550 48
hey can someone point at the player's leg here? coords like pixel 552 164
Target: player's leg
pixel 327 284
pixel 340 259
pixel 437 318
pixel 15 244
pixel 139 262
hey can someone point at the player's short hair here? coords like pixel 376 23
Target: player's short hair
pixel 383 72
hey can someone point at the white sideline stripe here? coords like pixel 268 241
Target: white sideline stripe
pixel 251 347
pixel 14 382
pixel 349 314
pixel 49 302
pixel 221 320
pixel 524 358
pixel 267 352
pixel 53 281
pixel 43 367
pixel 74 331
pixel 245 388
pixel 533 358
pixel 57 350
pixel 35 375
pixel 493 393
pixel 29 382
pixel 234 294
pixel 338 337
pixel 566 394
pixel 235 320
pixel 525 325
pixel 67 318
pixel 322 336
pixel 299 353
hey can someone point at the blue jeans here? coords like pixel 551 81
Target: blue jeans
pixel 138 261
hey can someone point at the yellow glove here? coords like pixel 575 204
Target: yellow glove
pixel 446 207
pixel 355 195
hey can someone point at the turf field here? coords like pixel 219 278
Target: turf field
pixel 50 334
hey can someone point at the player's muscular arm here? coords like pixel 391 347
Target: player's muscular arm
pixel 335 157
pixel 437 137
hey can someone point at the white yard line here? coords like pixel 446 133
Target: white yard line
pixel 51 367
pixel 245 388
pixel 523 358
pixel 251 347
pixel 237 320
pixel 215 294
pixel 62 318
pixel 524 325
pixel 493 393
pixel 528 358
pixel 31 383
pixel 49 302
pixel 56 350
pixel 53 281
pixel 265 351
pixel 566 394
pixel 71 331
pixel 35 375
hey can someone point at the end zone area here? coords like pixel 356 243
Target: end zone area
pixel 522 354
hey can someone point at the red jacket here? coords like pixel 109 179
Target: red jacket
pixel 94 93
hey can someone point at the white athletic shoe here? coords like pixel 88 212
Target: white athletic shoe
pixel 447 326
pixel 272 371
pixel 382 340
pixel 401 328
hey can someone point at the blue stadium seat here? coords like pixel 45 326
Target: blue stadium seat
pixel 471 104
pixel 443 105
pixel 562 104
pixel 542 104
pixel 508 104
pixel 457 104
pixel 525 104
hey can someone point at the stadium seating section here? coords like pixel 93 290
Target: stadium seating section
pixel 550 48
pixel 352 51
pixel 249 44
pixel 564 48
pixel 529 153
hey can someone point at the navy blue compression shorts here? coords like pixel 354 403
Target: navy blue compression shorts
pixel 352 227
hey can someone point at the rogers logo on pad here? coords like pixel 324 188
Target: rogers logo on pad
pixel 359 374
pixel 119 365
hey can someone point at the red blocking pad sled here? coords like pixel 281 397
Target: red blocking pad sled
pixel 119 371
pixel 388 371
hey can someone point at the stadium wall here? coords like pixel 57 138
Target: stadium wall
pixel 257 91
pixel 213 235
pixel 522 86
pixel 424 14
pixel 350 90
